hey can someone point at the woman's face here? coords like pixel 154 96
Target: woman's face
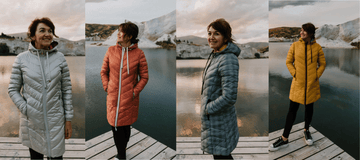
pixel 43 36
pixel 304 35
pixel 215 39
pixel 121 37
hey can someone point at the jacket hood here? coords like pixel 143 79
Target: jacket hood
pixel 231 48
pixel 131 47
pixel 302 41
pixel 52 48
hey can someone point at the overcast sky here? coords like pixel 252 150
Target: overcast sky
pixel 295 13
pixel 116 11
pixel 248 19
pixel 67 16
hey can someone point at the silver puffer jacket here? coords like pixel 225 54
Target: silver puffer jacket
pixel 219 130
pixel 45 101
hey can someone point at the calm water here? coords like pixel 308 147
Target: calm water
pixel 336 113
pixel 157 100
pixel 251 105
pixel 10 115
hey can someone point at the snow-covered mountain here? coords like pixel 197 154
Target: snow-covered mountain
pixel 152 31
pixel 338 36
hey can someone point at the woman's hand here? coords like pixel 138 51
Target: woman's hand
pixel 68 129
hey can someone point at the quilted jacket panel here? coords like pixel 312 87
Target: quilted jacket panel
pixel 219 130
pixel 46 99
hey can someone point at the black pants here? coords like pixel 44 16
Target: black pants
pixel 223 157
pixel 37 155
pixel 121 138
pixel 290 118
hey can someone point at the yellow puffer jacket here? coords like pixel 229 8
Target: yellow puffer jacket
pixel 304 68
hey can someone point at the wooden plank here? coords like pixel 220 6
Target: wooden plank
pixel 103 137
pixel 198 151
pixel 308 150
pixel 278 133
pixel 342 156
pixel 26 153
pixel 293 146
pixel 140 147
pixel 241 139
pixel 111 152
pixel 17 140
pixel 251 156
pixel 99 147
pixel 295 135
pixel 235 156
pixel 12 146
pixel 168 153
pixel 239 145
pixel 151 152
pixel 327 153
pixel 250 150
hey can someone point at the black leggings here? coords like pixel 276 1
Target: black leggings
pixel 222 157
pixel 121 138
pixel 37 155
pixel 309 109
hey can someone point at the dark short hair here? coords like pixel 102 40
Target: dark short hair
pixel 35 23
pixel 223 27
pixel 130 29
pixel 309 28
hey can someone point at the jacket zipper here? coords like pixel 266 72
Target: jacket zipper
pixel 44 109
pixel 305 72
pixel 118 102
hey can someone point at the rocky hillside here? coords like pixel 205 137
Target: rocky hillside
pixel 103 31
pixel 345 35
pixel 67 47
pixel 286 32
pixel 155 33
pixel 190 47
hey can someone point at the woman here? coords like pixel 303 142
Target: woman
pixel 123 89
pixel 219 130
pixel 306 63
pixel 45 102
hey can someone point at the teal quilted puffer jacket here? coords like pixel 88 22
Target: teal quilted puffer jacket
pixel 219 130
pixel 45 102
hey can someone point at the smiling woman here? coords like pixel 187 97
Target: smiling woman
pixel 45 102
pixel 219 130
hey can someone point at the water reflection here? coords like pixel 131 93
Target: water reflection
pixel 10 115
pixel 251 105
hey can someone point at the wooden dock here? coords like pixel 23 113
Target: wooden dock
pixel 247 148
pixel 140 146
pixel 11 148
pixel 322 147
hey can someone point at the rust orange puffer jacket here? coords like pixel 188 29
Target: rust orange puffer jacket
pixel 134 65
pixel 306 66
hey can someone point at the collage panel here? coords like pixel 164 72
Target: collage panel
pixel 222 86
pixel 145 32
pixel 42 79
pixel 314 60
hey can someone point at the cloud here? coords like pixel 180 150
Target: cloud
pixel 280 4
pixel 68 16
pixel 96 1
pixel 193 17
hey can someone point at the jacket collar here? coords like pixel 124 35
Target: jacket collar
pixel 131 47
pixel 230 48
pixel 312 41
pixel 52 48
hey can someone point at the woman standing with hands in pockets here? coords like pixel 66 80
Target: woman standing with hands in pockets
pixel 122 65
pixel 45 102
pixel 306 63
pixel 219 130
